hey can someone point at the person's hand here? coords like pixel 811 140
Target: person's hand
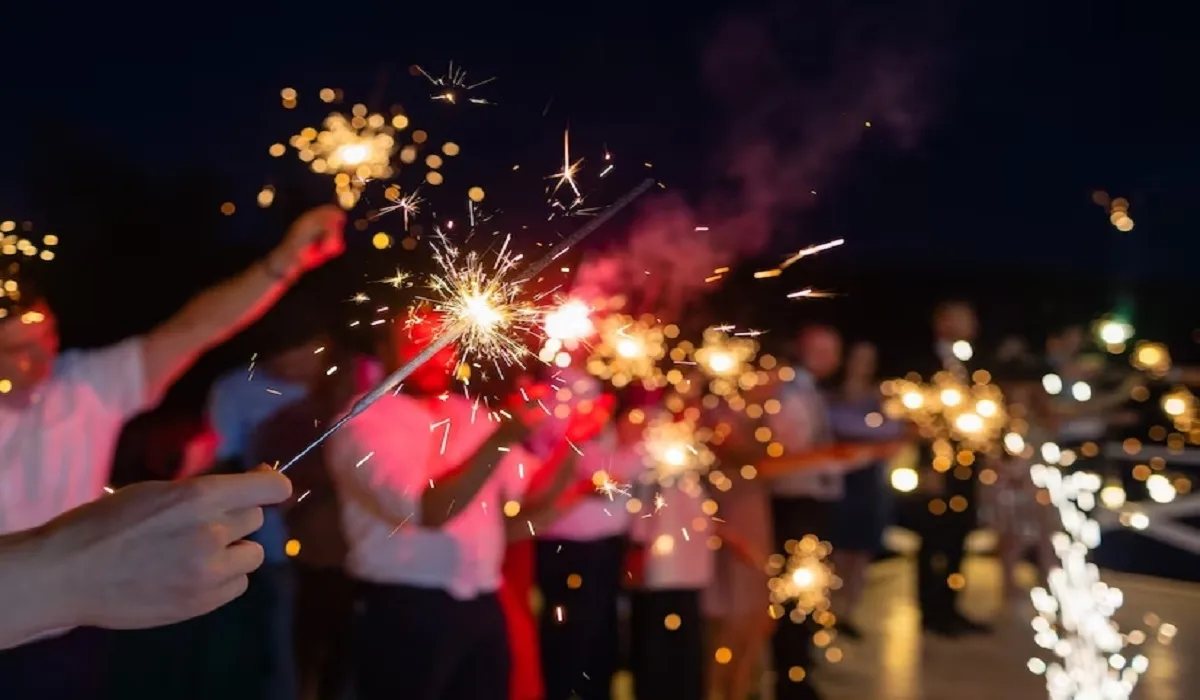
pixel 160 552
pixel 312 239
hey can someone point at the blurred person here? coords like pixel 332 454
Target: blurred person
pixel 856 417
pixel 423 513
pixel 324 594
pixel 1010 506
pixel 803 502
pixel 580 554
pixel 944 530
pixel 1086 419
pixel 735 604
pixel 61 415
pixel 670 567
pixel 554 490
pixel 148 555
pixel 256 634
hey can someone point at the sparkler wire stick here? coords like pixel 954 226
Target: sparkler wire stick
pixel 393 380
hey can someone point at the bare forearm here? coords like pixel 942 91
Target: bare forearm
pixel 209 319
pixel 451 493
pixel 550 504
pixel 32 600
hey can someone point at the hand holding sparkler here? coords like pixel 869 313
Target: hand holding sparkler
pixel 313 239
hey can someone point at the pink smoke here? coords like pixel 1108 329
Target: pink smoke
pixel 788 137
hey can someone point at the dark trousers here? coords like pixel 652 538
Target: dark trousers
pixel 240 651
pixel 68 667
pixel 666 662
pixel 422 644
pixel 792 643
pixel 324 605
pixel 580 652
pixel 941 554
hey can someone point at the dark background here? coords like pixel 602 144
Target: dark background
pixel 126 130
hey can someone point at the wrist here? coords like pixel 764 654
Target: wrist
pixel 280 267
pixel 35 588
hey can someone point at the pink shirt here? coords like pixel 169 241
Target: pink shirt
pixel 598 516
pixel 675 537
pixel 56 453
pixel 390 454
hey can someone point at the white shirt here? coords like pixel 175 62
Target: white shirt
pixel 802 424
pixel 393 451
pixel 56 453
pixel 596 517
pixel 676 538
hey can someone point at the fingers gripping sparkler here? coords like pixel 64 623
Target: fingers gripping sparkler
pixel 451 334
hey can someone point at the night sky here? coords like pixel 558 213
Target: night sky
pixel 1012 115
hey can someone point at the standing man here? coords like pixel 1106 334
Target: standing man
pixel 948 478
pixel 579 558
pixel 60 416
pixel 803 502
pixel 253 637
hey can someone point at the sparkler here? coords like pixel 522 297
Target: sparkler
pixel 628 350
pixel 1074 616
pixel 675 449
pixel 474 311
pixel 726 358
pixel 806 578
pixel 949 409
pixel 354 150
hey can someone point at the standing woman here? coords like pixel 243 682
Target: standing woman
pixel 736 603
pixel 856 416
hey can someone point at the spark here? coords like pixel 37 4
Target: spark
pixel 566 176
pixel 659 502
pixel 409 205
pixel 396 280
pixel 453 85
pixel 612 488
pixel 359 298
pixel 810 293
pixel 810 250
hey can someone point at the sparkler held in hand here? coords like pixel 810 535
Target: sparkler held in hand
pixel 451 333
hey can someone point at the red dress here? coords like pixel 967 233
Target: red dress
pixel 525 678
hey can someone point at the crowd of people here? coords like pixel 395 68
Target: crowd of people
pixel 431 551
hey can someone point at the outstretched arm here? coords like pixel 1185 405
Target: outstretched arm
pixel 221 311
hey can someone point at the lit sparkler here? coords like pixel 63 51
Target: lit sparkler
pixel 675 449
pixel 948 409
pixel 478 302
pixel 569 321
pixel 467 305
pixel 1075 616
pixel 352 149
pixel 805 578
pixel 628 350
pixel 725 357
